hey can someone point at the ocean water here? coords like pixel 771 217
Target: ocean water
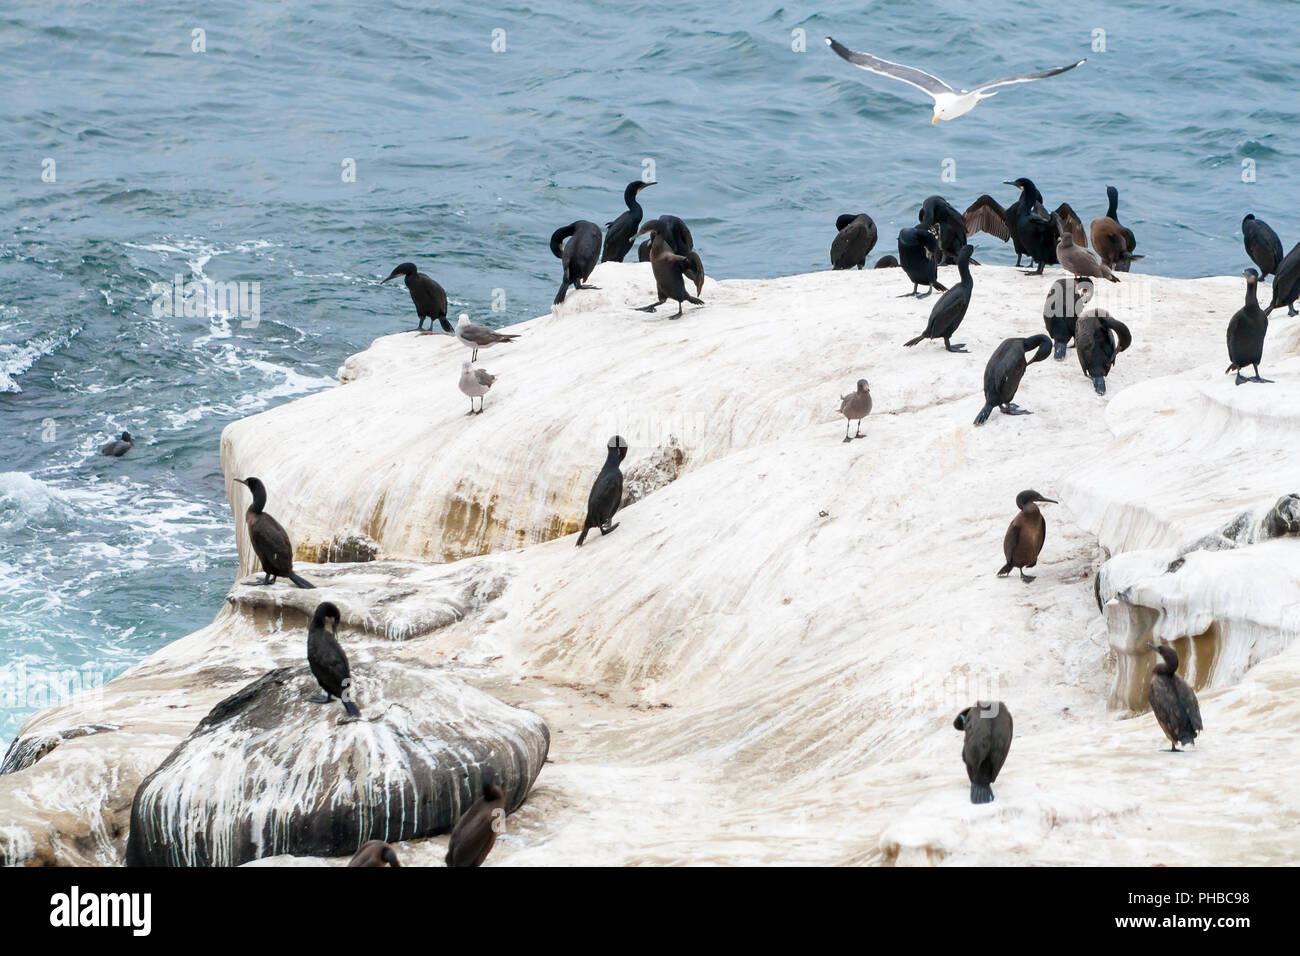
pixel 128 157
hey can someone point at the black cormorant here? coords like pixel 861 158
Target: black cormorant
pixel 951 308
pixel 988 730
pixel 476 831
pixel 1262 245
pixel 118 447
pixel 853 242
pixel 606 492
pixel 1172 700
pixel 375 853
pixel 1061 310
pixel 1095 340
pixel 669 269
pixel 328 662
pixel 618 236
pixel 429 298
pixel 1246 331
pixel 918 254
pixel 579 255
pixel 270 541
pixel 1005 368
pixel 1286 282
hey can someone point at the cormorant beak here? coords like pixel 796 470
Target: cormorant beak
pixel 1007 182
pixel 1152 646
pixel 644 185
pixel 393 276
pixel 242 482
pixel 1050 501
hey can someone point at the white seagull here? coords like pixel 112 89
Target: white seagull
pixel 948 103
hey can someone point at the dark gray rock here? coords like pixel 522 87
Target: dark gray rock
pixel 1284 517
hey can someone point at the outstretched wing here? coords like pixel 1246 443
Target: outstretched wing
pixel 1074 224
pixel 1026 78
pixel 908 74
pixel 987 215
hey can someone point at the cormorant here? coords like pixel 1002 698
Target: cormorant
pixel 1005 368
pixel 1246 331
pixel 580 254
pixel 619 233
pixel 1113 242
pixel 918 253
pixel 1262 245
pixel 937 214
pixel 270 541
pixel 669 268
pixel 375 853
pixel 474 336
pixel 1172 700
pixel 1025 222
pixel 476 831
pixel 475 383
pixel 328 662
pixel 606 492
pixel 853 242
pixel 1286 282
pixel 886 262
pixel 1095 343
pixel 856 405
pixel 679 239
pixel 1077 260
pixel 1025 535
pixel 118 447
pixel 951 308
pixel 1061 310
pixel 429 298
pixel 988 730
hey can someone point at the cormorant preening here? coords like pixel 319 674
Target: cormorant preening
pixel 1286 282
pixel 475 383
pixel 607 491
pixel 1172 700
pixel 580 254
pixel 988 730
pixel 1025 535
pixel 118 447
pixel 328 663
pixel 1262 245
pixel 476 831
pixel 1025 222
pixel 429 298
pixel 474 336
pixel 679 240
pixel 1005 369
pixel 375 853
pixel 1064 300
pixel 1095 343
pixel 918 253
pixel 937 215
pixel 618 236
pixel 269 539
pixel 1246 331
pixel 854 241
pixel 1113 242
pixel 1077 260
pixel 669 268
pixel 856 405
pixel 951 307
pixel 886 262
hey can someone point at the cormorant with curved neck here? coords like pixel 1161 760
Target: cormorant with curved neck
pixel 1286 282
pixel 856 405
pixel 1262 244
pixel 579 254
pixel 918 254
pixel 937 215
pixel 1172 700
pixel 619 233
pixel 118 447
pixel 328 662
pixel 1246 332
pixel 270 541
pixel 677 236
pixel 1113 242
pixel 375 853
pixel 988 730
pixel 476 831
pixel 1025 535
pixel 606 492
pixel 669 269
pixel 1061 310
pixel 429 298
pixel 1095 340
pixel 1005 368
pixel 951 308
pixel 854 240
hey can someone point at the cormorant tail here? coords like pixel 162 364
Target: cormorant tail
pixel 981 793
pixel 582 537
pixel 564 288
pixel 446 326
pixel 389 857
pixel 300 581
pixel 908 345
pixel 983 416
pixel 352 710
pixel 1006 569
pixel 940 286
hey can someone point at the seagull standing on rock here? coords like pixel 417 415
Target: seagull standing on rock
pixel 474 336
pixel 475 383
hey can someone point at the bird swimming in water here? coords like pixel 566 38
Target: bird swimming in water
pixel 1246 331
pixel 375 853
pixel 1077 260
pixel 856 405
pixel 1061 310
pixel 606 492
pixel 270 541
pixel 886 262
pixel 1095 338
pixel 669 270
pixel 1005 368
pixel 579 255
pixel 1262 245
pixel 949 311
pixel 118 447
pixel 1025 535
pixel 328 662
pixel 475 383
pixel 1172 700
pixel 619 233
pixel 918 253
pixel 853 242
pixel 939 216
pixel 429 298
pixel 948 103
pixel 476 831
pixel 1286 282
pixel 474 336
pixel 988 730
pixel 1113 242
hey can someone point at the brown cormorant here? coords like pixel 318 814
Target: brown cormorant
pixel 606 492
pixel 474 336
pixel 579 255
pixel 1005 368
pixel 856 406
pixel 1262 245
pixel 375 853
pixel 679 239
pixel 619 233
pixel 951 308
pixel 1025 535
pixel 1095 338
pixel 1286 282
pixel 1113 242
pixel 669 269
pixel 1246 331
pixel 328 662
pixel 270 541
pixel 1172 700
pixel 118 447
pixel 476 831
pixel 475 383
pixel 429 298
pixel 1064 300
pixel 988 730
pixel 918 254
pixel 1077 260
pixel 853 242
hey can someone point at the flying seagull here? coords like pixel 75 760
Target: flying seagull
pixel 948 103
